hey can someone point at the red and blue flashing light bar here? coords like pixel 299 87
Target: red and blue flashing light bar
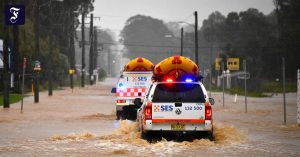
pixel 171 79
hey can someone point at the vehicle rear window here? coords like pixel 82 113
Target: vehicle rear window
pixel 178 92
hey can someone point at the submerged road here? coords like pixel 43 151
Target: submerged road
pixel 83 123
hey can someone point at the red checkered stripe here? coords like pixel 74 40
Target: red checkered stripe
pixel 131 92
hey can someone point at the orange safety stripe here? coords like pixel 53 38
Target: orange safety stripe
pixel 178 121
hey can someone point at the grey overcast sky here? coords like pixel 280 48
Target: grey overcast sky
pixel 114 13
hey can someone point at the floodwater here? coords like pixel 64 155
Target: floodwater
pixel 83 123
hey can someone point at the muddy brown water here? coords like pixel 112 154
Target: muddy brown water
pixel 83 123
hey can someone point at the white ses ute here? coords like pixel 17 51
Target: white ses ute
pixel 180 107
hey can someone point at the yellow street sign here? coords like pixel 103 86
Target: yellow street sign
pixel 71 71
pixel 217 63
pixel 233 63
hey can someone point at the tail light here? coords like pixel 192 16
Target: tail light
pixel 121 101
pixel 208 112
pixel 148 111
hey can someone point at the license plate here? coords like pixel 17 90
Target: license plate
pixel 177 127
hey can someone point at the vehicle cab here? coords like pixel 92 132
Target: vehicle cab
pixel 176 105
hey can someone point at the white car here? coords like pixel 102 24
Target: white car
pixel 176 107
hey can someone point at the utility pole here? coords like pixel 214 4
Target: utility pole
pixel 283 89
pixel 210 60
pixel 91 50
pixel 245 71
pixel 210 71
pixel 181 45
pixel 50 92
pixel 108 62
pixel 36 84
pixel 6 66
pixel 37 31
pixel 72 49
pixel 83 50
pixel 196 38
pixel 36 52
pixel 223 83
pixel 16 58
pixel 95 47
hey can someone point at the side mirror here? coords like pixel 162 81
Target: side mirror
pixel 138 102
pixel 211 101
pixel 113 90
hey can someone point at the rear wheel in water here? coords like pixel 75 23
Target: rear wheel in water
pixel 119 115
pixel 145 135
pixel 210 135
pixel 129 112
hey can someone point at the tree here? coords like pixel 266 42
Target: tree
pixel 145 36
pixel 248 35
pixel 62 26
pixel 287 12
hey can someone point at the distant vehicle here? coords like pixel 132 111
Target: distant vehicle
pixel 177 102
pixel 133 83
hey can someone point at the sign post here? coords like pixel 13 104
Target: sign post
pixel 36 70
pixel 23 75
pixel 245 71
pixel 298 99
pixel 1 52
pixel 283 90
pixel 217 63
pixel 71 72
pixel 223 82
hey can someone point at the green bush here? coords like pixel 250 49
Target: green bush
pixel 239 91
pixel 276 87
pixel 102 74
pixel 12 98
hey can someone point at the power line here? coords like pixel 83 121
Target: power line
pixel 128 17
pixel 185 19
pixel 173 46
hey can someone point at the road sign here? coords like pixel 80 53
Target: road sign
pixel 100 47
pixel 71 71
pixel 243 76
pixel 37 66
pixel 25 62
pixel 298 99
pixel 233 63
pixel 85 43
pixel 217 63
pixel 1 45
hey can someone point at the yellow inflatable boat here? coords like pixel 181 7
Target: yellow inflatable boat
pixel 139 64
pixel 176 66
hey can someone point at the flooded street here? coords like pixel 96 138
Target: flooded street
pixel 83 123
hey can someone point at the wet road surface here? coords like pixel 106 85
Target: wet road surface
pixel 83 123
